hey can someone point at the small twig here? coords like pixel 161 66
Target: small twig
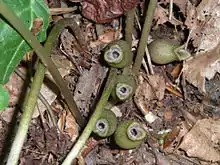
pixel 183 84
pixel 44 159
pixel 170 10
pixel 57 11
pixel 40 114
pixel 137 20
pixel 173 91
pixel 145 66
pixel 143 60
pixel 173 18
pixel 128 34
pixel 144 36
pixel 91 124
pixel 188 39
pixel 149 61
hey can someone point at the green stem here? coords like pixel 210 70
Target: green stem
pixel 129 26
pixel 43 54
pixel 25 120
pixel 96 114
pixel 128 34
pixel 32 97
pixel 144 35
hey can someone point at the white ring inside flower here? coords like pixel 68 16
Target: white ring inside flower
pixel 114 55
pixel 123 91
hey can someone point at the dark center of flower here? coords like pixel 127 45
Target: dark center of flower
pixel 115 54
pixel 134 132
pixel 101 126
pixel 123 90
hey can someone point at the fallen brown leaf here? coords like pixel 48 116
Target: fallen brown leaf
pixel 88 86
pixel 61 121
pixel 162 16
pixel 150 87
pixel 204 24
pixel 174 138
pixel 67 124
pixel 91 144
pixel 203 66
pixel 176 71
pixel 71 127
pixel 107 37
pixel 102 11
pixel 7 115
pixel 202 141
pixel 171 136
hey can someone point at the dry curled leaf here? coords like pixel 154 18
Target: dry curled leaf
pixel 151 87
pixel 202 141
pixel 162 16
pixel 181 4
pixel 102 11
pixel 67 124
pixel 71 127
pixel 105 38
pixel 203 22
pixel 203 66
pixel 88 86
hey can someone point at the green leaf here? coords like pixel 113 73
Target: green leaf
pixel 4 98
pixel 12 45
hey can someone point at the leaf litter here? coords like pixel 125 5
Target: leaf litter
pixel 182 130
pixel 202 141
pixel 203 22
